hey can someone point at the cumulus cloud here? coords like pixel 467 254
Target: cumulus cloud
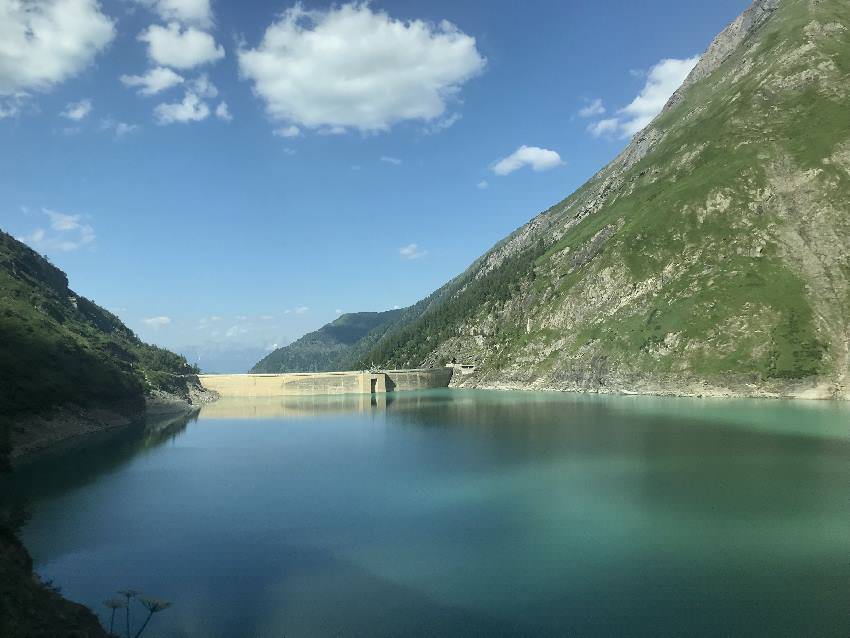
pixel 197 12
pixel 443 123
pixel 662 80
pixel 77 110
pixel 118 129
pixel 222 112
pixel 300 310
pixel 287 131
pixel 604 127
pixel 180 47
pixel 44 43
pixel 391 160
pixel 202 87
pixel 593 109
pixel 235 331
pixel 157 322
pixel 354 68
pixel 191 109
pixel 412 251
pixel 539 159
pixel 483 184
pixel 63 232
pixel 154 81
pixel 11 106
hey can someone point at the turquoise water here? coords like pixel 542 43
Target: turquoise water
pixel 460 513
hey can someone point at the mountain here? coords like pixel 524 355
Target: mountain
pixel 712 256
pixel 64 356
pixel 335 346
pixel 222 357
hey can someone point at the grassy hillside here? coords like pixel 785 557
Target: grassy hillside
pixel 335 346
pixel 715 251
pixel 60 349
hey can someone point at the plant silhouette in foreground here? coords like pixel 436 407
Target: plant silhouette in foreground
pixel 113 604
pixel 153 605
pixel 128 594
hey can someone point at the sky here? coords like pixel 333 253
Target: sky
pixel 227 176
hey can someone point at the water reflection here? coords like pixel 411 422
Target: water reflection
pixel 294 406
pixel 461 514
pixel 81 461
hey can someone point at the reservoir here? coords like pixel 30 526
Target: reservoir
pixel 459 513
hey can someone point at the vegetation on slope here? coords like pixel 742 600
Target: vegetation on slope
pixel 60 349
pixel 714 250
pixel 335 346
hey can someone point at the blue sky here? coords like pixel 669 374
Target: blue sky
pixel 366 154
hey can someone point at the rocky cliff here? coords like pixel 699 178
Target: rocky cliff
pixel 711 257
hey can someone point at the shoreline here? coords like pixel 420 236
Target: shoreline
pixel 822 391
pixel 34 435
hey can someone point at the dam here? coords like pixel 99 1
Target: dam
pixel 323 383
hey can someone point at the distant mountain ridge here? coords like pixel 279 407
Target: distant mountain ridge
pixel 335 346
pixel 711 257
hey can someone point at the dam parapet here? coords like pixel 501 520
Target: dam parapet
pixel 324 383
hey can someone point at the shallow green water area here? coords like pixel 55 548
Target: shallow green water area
pixel 461 513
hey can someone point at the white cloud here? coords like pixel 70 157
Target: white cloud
pixel 412 251
pixel 354 68
pixel 391 160
pixel 11 107
pixel 154 81
pixel 235 331
pixel 287 131
pixel 222 112
pixel 539 159
pixel 191 109
pixel 197 12
pixel 604 127
pixel 338 311
pixel 202 87
pixel 443 123
pixel 662 80
pixel 181 48
pixel 300 310
pixel 77 110
pixel 593 109
pixel 157 322
pixel 119 129
pixel 44 43
pixel 483 184
pixel 64 233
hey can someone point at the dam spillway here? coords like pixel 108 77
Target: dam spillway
pixel 324 383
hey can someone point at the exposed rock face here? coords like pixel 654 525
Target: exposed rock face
pixel 712 256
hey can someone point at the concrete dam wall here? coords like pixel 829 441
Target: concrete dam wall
pixel 323 383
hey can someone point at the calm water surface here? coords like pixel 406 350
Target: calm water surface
pixel 451 513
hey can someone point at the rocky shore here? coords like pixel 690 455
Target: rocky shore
pixel 814 389
pixel 33 434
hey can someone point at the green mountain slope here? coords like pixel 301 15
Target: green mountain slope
pixel 58 349
pixel 713 255
pixel 335 346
